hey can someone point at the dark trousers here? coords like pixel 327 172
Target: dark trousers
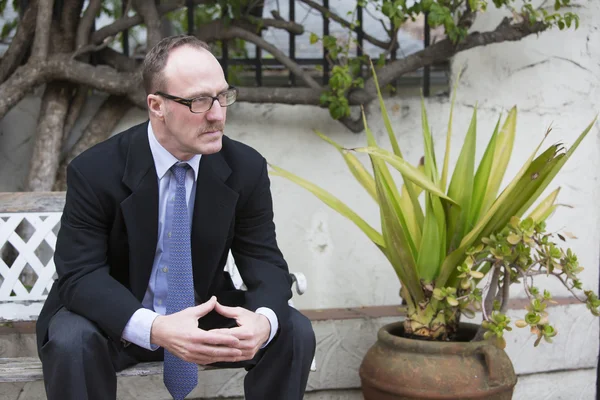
pixel 80 362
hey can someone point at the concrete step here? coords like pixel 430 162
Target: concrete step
pixel 342 343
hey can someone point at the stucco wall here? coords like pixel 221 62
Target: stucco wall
pixel 553 79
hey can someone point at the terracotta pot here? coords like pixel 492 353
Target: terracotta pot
pixel 396 368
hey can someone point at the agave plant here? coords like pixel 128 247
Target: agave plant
pixel 443 238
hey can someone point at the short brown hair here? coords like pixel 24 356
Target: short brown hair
pixel 156 59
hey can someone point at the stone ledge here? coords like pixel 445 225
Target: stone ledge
pixel 341 344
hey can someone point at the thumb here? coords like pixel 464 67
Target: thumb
pixel 204 308
pixel 229 312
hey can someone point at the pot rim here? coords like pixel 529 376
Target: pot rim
pixel 426 346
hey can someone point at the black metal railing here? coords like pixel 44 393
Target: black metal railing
pixel 257 63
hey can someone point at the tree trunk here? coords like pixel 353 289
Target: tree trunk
pixel 48 137
pixel 98 129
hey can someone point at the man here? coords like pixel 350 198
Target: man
pixel 149 219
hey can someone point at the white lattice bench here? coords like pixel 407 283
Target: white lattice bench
pixel 29 223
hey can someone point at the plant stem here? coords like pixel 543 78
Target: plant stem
pixel 505 290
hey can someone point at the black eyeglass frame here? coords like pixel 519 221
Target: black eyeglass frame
pixel 188 102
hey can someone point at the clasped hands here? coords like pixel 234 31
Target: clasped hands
pixel 179 333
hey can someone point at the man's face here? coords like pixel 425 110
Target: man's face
pixel 191 73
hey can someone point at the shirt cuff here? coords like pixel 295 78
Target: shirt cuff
pixel 267 312
pixel 138 328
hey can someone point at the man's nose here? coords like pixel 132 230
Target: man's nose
pixel 216 112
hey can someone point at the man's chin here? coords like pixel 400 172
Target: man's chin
pixel 212 146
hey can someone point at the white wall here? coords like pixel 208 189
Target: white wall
pixel 553 79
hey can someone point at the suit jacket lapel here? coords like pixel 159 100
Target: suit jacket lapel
pixel 214 210
pixel 140 211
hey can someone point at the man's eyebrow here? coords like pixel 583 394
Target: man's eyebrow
pixel 205 94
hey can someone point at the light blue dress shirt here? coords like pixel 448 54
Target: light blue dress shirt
pixel 139 326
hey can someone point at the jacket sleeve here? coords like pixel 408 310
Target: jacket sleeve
pixel 85 285
pixel 257 256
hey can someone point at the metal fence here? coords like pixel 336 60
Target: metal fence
pixel 258 62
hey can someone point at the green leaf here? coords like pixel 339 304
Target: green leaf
pixel 461 187
pixel 313 38
pixel 481 178
pixel 546 180
pixel 332 202
pixel 502 153
pixel 430 254
pixel 397 242
pixel 411 172
pixel 356 167
pixel 445 167
pixel 418 212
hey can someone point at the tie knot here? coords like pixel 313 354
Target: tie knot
pixel 179 171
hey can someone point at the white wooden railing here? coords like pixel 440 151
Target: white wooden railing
pixel 29 222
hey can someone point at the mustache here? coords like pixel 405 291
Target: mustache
pixel 213 128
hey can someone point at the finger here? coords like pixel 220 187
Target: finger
pixel 230 312
pixel 204 308
pixel 216 339
pixel 208 351
pixel 239 332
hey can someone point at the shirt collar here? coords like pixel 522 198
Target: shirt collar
pixel 163 160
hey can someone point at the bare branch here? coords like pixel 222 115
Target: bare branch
pixel 129 22
pixel 86 23
pixel 149 12
pixel 118 60
pixel 75 109
pixel 329 14
pixel 69 20
pixel 20 43
pixel 355 125
pixel 217 30
pixel 291 27
pixel 488 302
pixel 570 289
pixel 491 294
pixel 90 48
pixel 97 130
pixel 442 51
pixel 48 138
pixel 62 67
pixel 505 290
pixel 292 95
pixel 41 42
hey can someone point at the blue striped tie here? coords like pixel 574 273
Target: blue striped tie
pixel 180 377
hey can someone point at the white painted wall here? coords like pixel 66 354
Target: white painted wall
pixel 553 79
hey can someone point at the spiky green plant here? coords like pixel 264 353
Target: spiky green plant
pixel 442 246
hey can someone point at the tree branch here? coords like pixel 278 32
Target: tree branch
pixel 48 137
pixel 98 129
pixel 75 110
pixel 292 95
pixel 151 17
pixel 505 290
pixel 86 23
pixel 217 30
pixel 128 22
pixel 488 302
pixel 62 67
pixel 41 41
pixel 20 43
pixel 291 27
pixel 329 14
pixel 117 60
pixel 442 51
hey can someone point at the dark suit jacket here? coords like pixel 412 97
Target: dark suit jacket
pixel 109 229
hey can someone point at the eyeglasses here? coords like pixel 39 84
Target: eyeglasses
pixel 203 104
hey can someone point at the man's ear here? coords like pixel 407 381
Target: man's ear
pixel 155 106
